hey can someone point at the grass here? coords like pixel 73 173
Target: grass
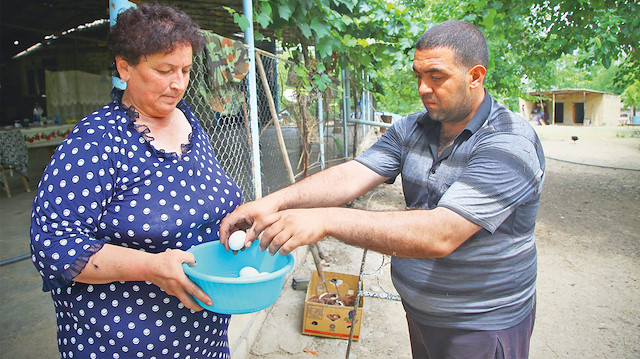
pixel 629 134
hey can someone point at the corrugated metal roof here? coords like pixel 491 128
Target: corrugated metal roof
pixel 25 23
pixel 565 91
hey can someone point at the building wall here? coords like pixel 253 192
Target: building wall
pixel 610 110
pixel 569 106
pixel 23 78
pixel 599 108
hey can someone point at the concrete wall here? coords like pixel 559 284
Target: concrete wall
pixel 609 112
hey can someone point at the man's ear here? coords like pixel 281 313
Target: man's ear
pixel 123 68
pixel 476 75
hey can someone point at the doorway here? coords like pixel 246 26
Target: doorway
pixel 578 112
pixel 558 113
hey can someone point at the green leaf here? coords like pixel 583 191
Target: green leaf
pixel 349 41
pixel 365 42
pixel 301 71
pixel 319 28
pixel 265 8
pixel 324 47
pixel 263 19
pixel 347 20
pixel 242 21
pixel 306 30
pixel 284 11
pixel 598 42
pixel 470 17
pixel 319 83
pixel 351 4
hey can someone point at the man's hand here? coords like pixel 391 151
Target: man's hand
pixel 248 217
pixel 289 229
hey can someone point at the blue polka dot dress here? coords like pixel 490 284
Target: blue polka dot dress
pixel 106 183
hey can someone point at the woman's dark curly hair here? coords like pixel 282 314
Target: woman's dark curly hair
pixel 151 28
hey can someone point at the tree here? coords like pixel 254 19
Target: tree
pixel 328 35
pixel 603 79
pixel 631 96
pixel 528 39
pixel 399 93
pixel 538 33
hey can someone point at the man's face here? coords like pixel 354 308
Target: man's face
pixel 443 84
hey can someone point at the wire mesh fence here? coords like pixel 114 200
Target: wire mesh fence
pixel 224 113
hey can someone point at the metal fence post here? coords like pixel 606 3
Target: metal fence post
pixel 253 101
pixel 346 88
pixel 321 132
pixel 116 7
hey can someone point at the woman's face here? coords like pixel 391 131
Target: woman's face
pixel 157 83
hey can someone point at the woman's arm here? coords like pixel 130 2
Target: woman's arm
pixel 114 263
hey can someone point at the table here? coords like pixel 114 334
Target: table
pixel 13 156
pixel 48 135
pixel 14 145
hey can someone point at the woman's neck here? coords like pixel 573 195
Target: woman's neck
pixel 151 121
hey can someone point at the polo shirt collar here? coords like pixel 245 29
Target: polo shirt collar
pixel 481 116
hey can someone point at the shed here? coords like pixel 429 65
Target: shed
pixel 573 107
pixel 71 35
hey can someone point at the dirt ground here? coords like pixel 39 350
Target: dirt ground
pixel 588 240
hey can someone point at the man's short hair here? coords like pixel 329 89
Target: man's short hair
pixel 466 40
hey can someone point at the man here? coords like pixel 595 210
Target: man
pixel 464 256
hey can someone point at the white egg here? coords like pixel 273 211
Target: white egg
pixel 236 240
pixel 249 272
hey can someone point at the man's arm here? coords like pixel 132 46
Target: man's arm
pixel 332 187
pixel 410 233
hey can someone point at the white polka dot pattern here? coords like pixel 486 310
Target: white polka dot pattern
pixel 107 184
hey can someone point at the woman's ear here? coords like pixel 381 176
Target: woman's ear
pixel 477 74
pixel 123 68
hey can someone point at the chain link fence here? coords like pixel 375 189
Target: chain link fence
pixel 224 114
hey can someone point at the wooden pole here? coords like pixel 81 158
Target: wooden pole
pixel 315 248
pixel 274 117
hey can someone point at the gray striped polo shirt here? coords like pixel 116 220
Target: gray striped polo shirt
pixel 491 175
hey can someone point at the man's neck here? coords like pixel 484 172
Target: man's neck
pixel 450 130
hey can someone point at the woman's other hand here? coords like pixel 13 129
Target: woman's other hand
pixel 165 271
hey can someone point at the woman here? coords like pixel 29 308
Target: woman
pixel 133 186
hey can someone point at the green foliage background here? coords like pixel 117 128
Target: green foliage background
pixel 533 45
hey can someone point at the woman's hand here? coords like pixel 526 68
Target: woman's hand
pixel 165 271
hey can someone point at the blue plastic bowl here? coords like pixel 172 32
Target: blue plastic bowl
pixel 216 272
